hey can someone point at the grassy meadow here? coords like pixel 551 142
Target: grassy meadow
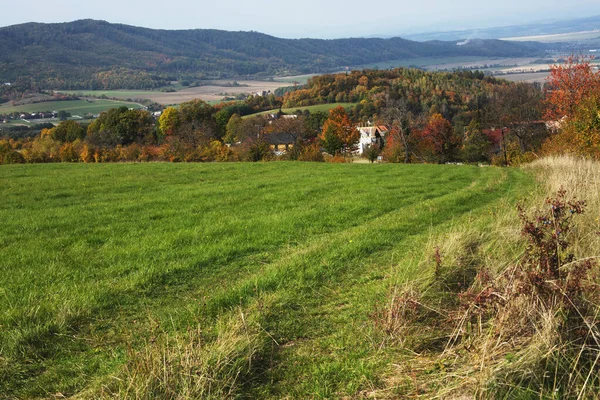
pixel 218 280
pixel 312 109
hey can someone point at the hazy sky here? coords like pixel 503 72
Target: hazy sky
pixel 308 18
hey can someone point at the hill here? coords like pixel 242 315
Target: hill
pixel 90 54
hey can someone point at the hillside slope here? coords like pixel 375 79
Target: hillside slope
pixel 103 263
pixel 89 54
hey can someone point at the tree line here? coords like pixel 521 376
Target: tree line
pixel 429 117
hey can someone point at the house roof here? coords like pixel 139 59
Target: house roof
pixel 280 138
pixel 371 131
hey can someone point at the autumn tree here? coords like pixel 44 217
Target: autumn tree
pixel 292 125
pixel 400 121
pixel 119 126
pixel 568 85
pixel 476 145
pixel 440 140
pixel 573 98
pixel 518 107
pixel 168 121
pixel 232 129
pixel 338 133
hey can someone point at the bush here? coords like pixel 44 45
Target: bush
pixel 42 150
pixel 8 155
pixel 311 152
pixel 130 153
pixel 337 159
pixel 371 153
pixel 67 153
pixel 258 150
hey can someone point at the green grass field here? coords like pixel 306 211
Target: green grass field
pixel 104 264
pixel 75 107
pixel 318 107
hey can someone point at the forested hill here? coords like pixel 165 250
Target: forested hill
pixel 96 54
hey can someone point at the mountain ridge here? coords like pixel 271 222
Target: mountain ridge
pixel 99 54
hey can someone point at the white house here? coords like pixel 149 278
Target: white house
pixel 370 135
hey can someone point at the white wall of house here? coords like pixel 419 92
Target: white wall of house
pixel 367 138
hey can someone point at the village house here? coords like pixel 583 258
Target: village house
pixel 281 142
pixel 370 135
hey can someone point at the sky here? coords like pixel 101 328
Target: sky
pixel 308 18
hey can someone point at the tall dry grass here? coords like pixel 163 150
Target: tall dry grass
pixel 191 365
pixel 508 329
pixel 580 178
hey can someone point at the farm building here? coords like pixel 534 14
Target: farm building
pixel 370 135
pixel 280 142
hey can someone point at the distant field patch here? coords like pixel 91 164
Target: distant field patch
pixel 298 79
pixel 417 62
pixel 315 108
pixel 120 94
pixel 75 107
pixel 532 77
pixel 560 37
pixel 213 93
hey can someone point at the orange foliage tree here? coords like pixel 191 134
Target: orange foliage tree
pixel 573 98
pixel 568 85
pixel 439 139
pixel 339 134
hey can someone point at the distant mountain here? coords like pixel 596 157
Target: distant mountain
pixel 545 28
pixel 89 54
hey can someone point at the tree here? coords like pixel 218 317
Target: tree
pixel 168 121
pixel 292 126
pixel 476 145
pixel 67 131
pixel 331 140
pixel 119 126
pixel 518 107
pixel 398 118
pixel 573 98
pixel 439 138
pixel 63 115
pixel 313 123
pixel 338 133
pixel 372 152
pixel 568 85
pixel 232 130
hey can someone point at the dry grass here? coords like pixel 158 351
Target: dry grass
pixel 581 179
pixel 190 365
pixel 509 330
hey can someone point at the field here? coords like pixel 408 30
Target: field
pixel 75 107
pixel 207 93
pixel 315 108
pixel 299 79
pixel 559 37
pixel 115 276
pixel 431 63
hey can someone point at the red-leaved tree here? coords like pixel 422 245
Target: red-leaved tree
pixel 569 84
